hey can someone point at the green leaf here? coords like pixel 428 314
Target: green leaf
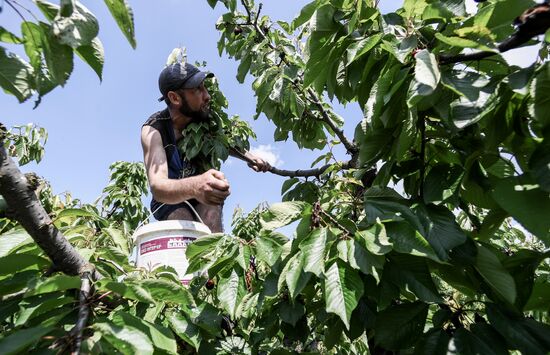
pixel 12 240
pixel 411 273
pixel 124 17
pixel 73 213
pixel 244 67
pixel 126 289
pixel 13 263
pixel 15 75
pixel 540 165
pixel 118 238
pixel 540 296
pixel 343 289
pixel 516 331
pixel 375 239
pixel 21 339
pixel 93 55
pixel 314 248
pixel 469 343
pixel 304 16
pixel 322 19
pixel 434 342
pixel 294 276
pixel 440 229
pixel 353 252
pixel 399 327
pixel 441 183
pixel 281 214
pixel 8 37
pixel 185 329
pixel 291 312
pixel 461 42
pixel 207 317
pixel 78 29
pixel 59 57
pixel 526 202
pixel 490 268
pixel 230 290
pixel 426 71
pixel 167 291
pixel 408 241
pixel 53 283
pixel 269 248
pixel 127 340
pixel 160 336
pixel 202 245
pixel 34 307
pixel 48 9
pixel 539 90
pixel 361 47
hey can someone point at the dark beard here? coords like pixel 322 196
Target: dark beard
pixel 195 115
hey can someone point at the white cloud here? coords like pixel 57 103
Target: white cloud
pixel 268 153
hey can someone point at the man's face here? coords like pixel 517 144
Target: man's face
pixel 195 103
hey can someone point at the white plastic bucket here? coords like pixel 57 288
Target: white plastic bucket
pixel 165 243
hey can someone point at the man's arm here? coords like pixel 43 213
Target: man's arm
pixel 210 188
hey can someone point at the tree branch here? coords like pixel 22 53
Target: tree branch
pixel 83 312
pixel 533 22
pixel 350 146
pixel 22 200
pixel 296 173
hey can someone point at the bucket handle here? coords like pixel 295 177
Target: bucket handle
pixel 188 204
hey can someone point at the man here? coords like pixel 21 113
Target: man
pixel 175 182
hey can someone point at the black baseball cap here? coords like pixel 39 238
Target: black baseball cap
pixel 180 76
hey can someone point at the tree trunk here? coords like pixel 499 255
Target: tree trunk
pixel 27 210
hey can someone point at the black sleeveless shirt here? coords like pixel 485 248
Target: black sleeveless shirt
pixel 178 167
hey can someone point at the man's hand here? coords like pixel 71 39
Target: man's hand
pixel 212 187
pixel 258 164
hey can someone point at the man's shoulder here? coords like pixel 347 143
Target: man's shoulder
pixel 157 117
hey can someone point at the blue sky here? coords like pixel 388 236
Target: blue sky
pixel 93 124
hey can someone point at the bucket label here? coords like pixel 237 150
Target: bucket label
pixel 165 243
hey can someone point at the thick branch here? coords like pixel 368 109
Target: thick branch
pixel 296 173
pixel 22 200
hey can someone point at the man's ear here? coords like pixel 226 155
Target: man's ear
pixel 174 98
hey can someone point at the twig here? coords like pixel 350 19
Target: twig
pixel 333 220
pixel 83 313
pixel 258 15
pixel 350 147
pixel 118 267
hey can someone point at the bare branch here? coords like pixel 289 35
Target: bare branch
pixel 83 312
pixel 350 147
pixel 296 173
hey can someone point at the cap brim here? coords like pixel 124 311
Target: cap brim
pixel 193 82
pixel 196 80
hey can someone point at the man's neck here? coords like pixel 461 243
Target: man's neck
pixel 179 121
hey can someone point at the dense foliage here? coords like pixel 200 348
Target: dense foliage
pixel 432 238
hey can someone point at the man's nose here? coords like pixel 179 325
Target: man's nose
pixel 206 96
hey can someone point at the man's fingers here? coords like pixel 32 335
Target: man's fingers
pixel 221 185
pixel 217 174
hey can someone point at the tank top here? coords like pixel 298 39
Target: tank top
pixel 178 167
